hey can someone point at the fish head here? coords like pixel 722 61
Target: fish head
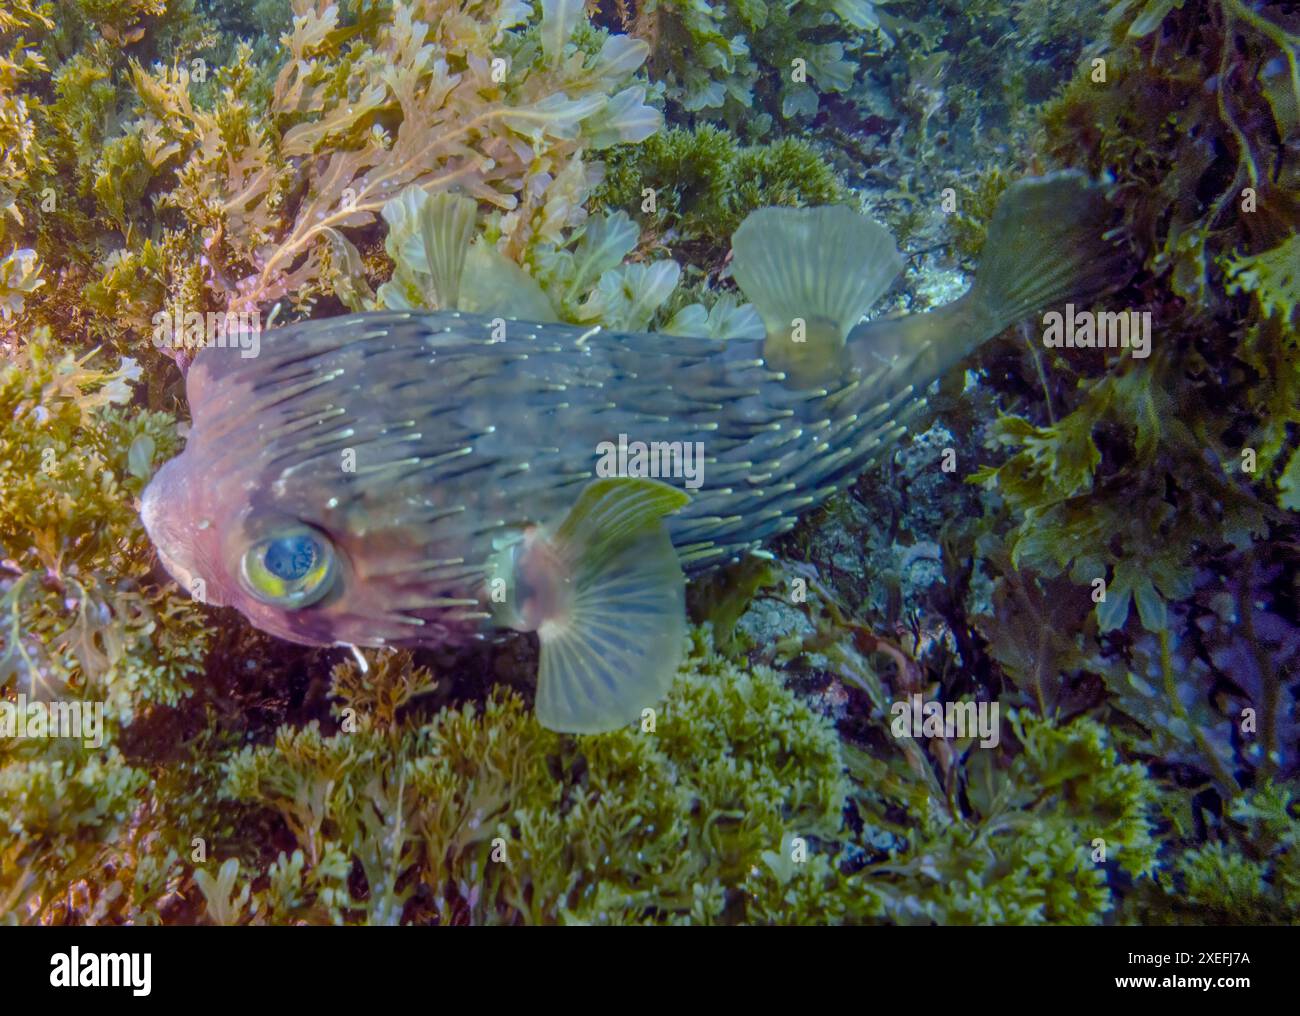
pixel 230 545
pixel 245 518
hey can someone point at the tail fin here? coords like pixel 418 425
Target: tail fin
pixel 1045 245
pixel 812 273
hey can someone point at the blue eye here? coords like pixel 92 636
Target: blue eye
pixel 293 568
pixel 291 557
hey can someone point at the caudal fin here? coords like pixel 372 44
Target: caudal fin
pixel 1045 245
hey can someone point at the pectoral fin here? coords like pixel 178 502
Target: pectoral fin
pixel 607 597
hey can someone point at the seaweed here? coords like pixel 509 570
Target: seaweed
pixel 81 620
pixel 752 64
pixel 686 187
pixel 478 815
pixel 1155 494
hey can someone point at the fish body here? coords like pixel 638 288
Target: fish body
pixel 423 478
pixel 418 442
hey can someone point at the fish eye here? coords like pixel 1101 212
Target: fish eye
pixel 292 568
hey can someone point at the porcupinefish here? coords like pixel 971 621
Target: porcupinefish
pixel 408 479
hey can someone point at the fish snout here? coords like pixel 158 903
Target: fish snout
pixel 174 531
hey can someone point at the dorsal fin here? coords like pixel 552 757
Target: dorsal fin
pixel 812 273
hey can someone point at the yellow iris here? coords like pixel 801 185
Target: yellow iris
pixel 293 568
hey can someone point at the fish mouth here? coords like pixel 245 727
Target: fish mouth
pixel 151 507
pixel 167 534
